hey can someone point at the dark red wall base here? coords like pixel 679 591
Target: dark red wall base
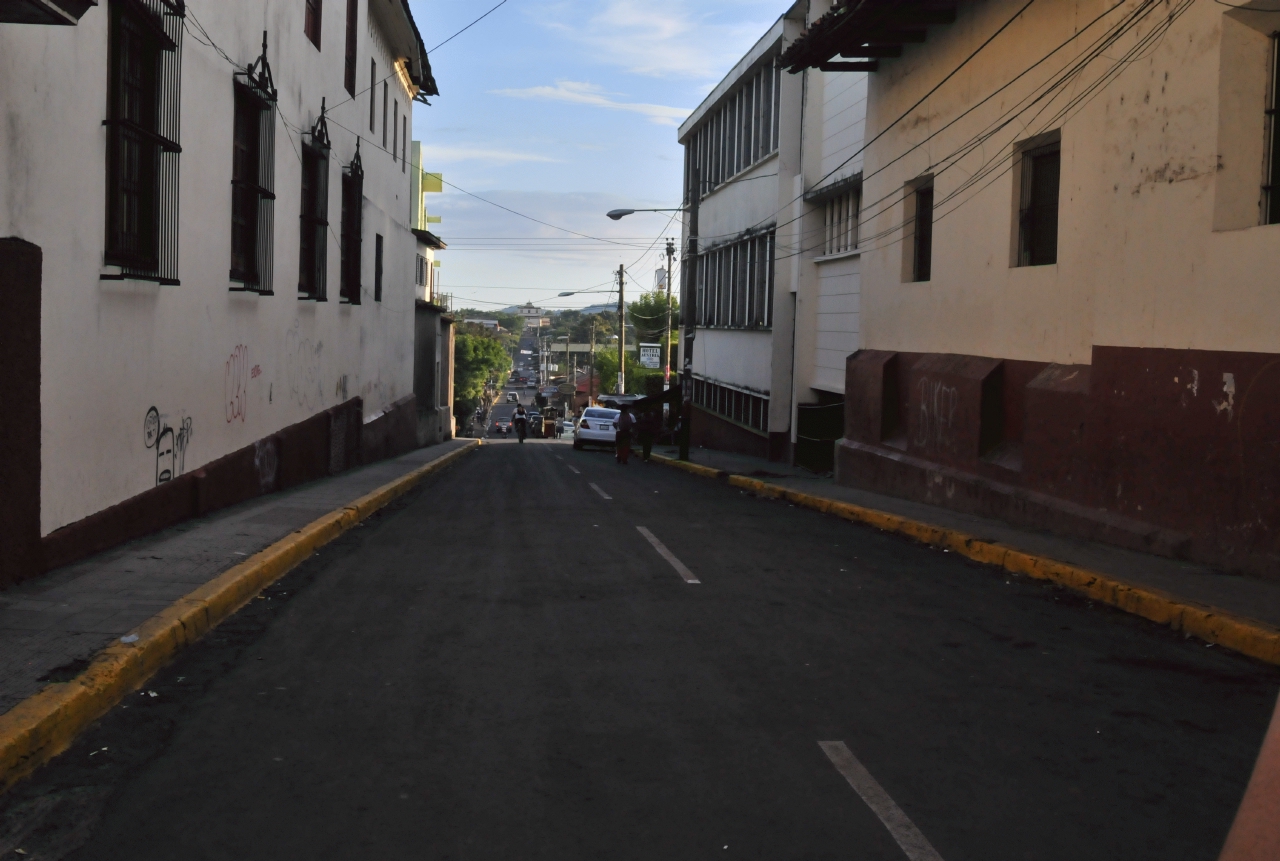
pixel 325 444
pixel 1170 451
pixel 709 430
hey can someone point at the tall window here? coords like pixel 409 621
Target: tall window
pixel 1271 190
pixel 352 225
pixel 735 284
pixel 373 92
pixel 377 268
pixel 349 62
pixel 311 25
pixel 922 239
pixel 1038 206
pixel 395 127
pixel 385 91
pixel 313 247
pixel 404 142
pixel 840 223
pixel 253 177
pixel 739 132
pixel 142 140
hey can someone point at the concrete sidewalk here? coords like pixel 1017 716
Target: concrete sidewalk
pixel 52 626
pixel 1243 596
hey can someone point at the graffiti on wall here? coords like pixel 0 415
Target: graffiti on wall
pixel 935 430
pixel 170 444
pixel 302 369
pixel 235 383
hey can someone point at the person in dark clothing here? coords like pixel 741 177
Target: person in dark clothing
pixel 521 421
pixel 625 426
pixel 648 426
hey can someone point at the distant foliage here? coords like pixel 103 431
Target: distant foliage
pixel 477 358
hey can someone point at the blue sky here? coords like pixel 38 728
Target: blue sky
pixel 563 110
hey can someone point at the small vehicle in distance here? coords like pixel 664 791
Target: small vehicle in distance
pixel 596 427
pixel 513 398
pixel 502 426
pixel 535 424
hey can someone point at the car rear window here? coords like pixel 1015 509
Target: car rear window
pixel 600 414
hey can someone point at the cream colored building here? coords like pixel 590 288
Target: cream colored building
pixel 1070 265
pixel 779 161
pixel 216 196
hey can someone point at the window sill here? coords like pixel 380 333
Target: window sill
pixel 735 328
pixel 828 258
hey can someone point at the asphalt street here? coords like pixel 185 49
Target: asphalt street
pixel 539 654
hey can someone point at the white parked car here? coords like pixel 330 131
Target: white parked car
pixel 596 427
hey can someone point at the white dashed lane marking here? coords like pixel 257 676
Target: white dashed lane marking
pixel 575 471
pixel 669 556
pixel 916 846
pixel 597 489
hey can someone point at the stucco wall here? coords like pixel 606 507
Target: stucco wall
pixel 221 369
pixel 1139 261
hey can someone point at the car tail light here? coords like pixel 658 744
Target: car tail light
pixel 583 424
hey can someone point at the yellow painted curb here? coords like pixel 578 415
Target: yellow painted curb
pixel 1211 624
pixel 42 726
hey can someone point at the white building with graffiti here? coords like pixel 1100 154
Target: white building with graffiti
pixel 206 235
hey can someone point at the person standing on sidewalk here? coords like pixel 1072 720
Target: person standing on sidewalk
pixel 625 425
pixel 648 426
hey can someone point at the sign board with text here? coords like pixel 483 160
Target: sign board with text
pixel 650 355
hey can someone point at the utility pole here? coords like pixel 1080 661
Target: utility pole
pixel 591 378
pixel 666 341
pixel 690 311
pixel 622 331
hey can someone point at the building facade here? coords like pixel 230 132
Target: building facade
pixel 778 166
pixel 1070 251
pixel 208 210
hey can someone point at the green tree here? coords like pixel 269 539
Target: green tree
pixel 648 316
pixel 607 372
pixel 477 359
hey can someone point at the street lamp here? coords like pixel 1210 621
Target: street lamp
pixel 617 214
pixel 693 196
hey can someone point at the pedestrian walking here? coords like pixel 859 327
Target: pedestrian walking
pixel 648 426
pixel 625 426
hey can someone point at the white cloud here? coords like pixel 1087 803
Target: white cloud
pixel 578 92
pixel 445 154
pixel 664 38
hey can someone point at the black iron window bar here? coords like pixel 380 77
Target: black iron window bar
pixel 253 178
pixel 352 228
pixel 143 130
pixel 1271 186
pixel 313 247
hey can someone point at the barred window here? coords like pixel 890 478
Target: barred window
pixel 840 223
pixel 349 60
pixel 741 131
pixel 311 24
pixel 377 267
pixel 253 177
pixel 313 247
pixel 737 405
pixel 142 139
pixel 373 93
pixel 922 236
pixel 352 227
pixel 735 284
pixel 1038 207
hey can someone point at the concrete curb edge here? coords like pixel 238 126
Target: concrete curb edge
pixel 45 724
pixel 1241 634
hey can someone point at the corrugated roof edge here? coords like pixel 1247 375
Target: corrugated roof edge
pixel 425 80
